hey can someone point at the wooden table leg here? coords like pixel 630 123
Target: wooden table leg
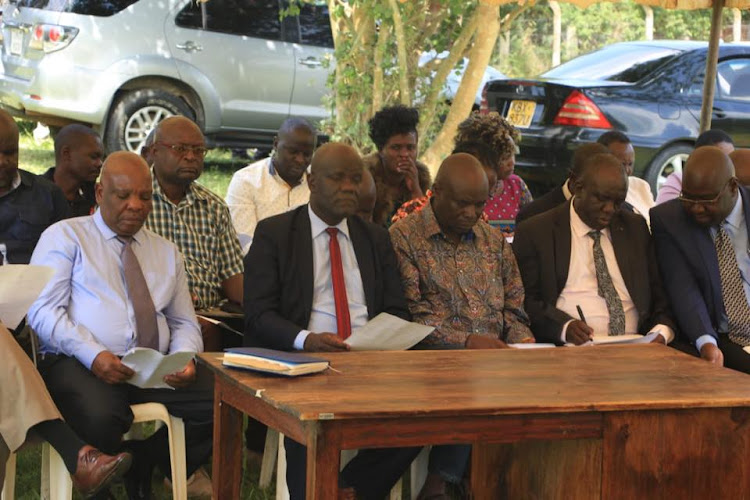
pixel 323 462
pixel 227 461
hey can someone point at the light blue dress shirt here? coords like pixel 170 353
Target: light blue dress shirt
pixel 736 229
pixel 85 310
pixel 323 314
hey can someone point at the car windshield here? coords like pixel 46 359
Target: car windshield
pixel 617 63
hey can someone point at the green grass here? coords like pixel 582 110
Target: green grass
pixel 37 157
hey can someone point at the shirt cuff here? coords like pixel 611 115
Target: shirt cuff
pixel 299 340
pixel 565 330
pixel 665 332
pixel 703 340
pixel 88 353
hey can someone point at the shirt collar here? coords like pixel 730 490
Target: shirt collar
pixel 275 174
pixel 577 226
pixel 193 193
pixel 318 226
pixel 432 226
pixel 735 217
pixel 107 231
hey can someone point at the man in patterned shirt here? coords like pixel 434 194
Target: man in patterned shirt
pixel 194 218
pixel 460 276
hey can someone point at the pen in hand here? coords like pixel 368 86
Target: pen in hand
pixel 580 314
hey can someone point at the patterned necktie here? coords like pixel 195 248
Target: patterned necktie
pixel 733 292
pixel 606 288
pixel 140 297
pixel 343 323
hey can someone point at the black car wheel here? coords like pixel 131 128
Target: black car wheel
pixel 136 113
pixel 666 162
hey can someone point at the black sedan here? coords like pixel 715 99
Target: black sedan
pixel 651 91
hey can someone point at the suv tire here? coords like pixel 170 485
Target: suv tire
pixel 135 113
pixel 665 162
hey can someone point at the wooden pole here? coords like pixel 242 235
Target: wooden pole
pixel 649 22
pixel 556 31
pixel 709 85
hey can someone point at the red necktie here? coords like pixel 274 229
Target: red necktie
pixel 343 323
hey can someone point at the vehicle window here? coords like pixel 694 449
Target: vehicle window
pixel 101 8
pixel 255 18
pixel 314 24
pixel 617 63
pixel 732 80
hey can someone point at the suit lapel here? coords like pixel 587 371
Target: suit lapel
pixel 363 250
pixel 302 241
pixel 561 241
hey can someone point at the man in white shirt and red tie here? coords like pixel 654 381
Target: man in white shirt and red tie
pixel 590 256
pixel 294 298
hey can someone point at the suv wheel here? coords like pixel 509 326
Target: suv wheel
pixel 666 162
pixel 136 113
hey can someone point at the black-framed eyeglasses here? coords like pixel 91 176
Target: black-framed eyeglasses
pixel 712 201
pixel 183 149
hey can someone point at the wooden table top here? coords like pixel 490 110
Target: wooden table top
pixel 496 382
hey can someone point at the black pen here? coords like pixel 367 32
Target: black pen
pixel 580 313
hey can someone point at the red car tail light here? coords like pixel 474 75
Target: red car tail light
pixel 51 37
pixel 580 111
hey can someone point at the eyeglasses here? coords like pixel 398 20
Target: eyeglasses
pixel 693 201
pixel 183 149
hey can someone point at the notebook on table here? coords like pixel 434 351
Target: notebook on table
pixel 285 363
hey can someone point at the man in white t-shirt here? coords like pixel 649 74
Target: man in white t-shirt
pixel 275 184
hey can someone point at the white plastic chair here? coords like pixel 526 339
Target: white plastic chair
pixel 282 491
pixel 61 486
pixel 9 487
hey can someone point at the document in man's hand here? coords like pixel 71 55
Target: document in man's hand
pixel 386 332
pixel 151 366
pixel 289 364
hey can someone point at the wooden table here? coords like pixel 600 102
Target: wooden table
pixel 640 422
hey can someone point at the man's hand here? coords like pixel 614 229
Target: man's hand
pixel 110 369
pixel 408 168
pixel 578 332
pixel 182 379
pixel 324 342
pixel 712 354
pixel 482 342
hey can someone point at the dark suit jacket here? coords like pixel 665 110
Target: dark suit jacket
pixel 279 277
pixel 541 204
pixel 687 258
pixel 542 248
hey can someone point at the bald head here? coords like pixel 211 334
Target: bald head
pixel 174 124
pixel 9 151
pixel 459 194
pixel 583 153
pixel 367 196
pixel 293 148
pixel 335 178
pixel 600 190
pixel 177 155
pixel 709 188
pixel 741 160
pixel 124 193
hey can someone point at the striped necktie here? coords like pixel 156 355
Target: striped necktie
pixel 606 287
pixel 732 289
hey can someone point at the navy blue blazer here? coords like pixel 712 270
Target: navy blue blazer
pixel 690 269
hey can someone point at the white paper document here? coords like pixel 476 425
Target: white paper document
pixel 530 345
pixel 151 366
pixel 630 338
pixel 386 332
pixel 20 285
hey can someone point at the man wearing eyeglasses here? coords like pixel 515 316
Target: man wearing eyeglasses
pixel 194 219
pixel 702 248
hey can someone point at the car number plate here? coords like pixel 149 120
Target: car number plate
pixel 521 113
pixel 16 42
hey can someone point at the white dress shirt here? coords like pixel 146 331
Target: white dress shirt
pixel 736 229
pixel 640 197
pixel 323 316
pixel 85 310
pixel 581 288
pixel 257 192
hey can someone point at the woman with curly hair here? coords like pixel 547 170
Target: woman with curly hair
pixel 399 177
pixel 511 192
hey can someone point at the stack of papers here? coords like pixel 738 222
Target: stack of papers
pixel 386 332
pixel 151 366
pixel 289 364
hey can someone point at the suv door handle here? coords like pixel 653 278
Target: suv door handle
pixel 719 113
pixel 189 46
pixel 310 62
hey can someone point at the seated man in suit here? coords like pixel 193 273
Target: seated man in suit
pixel 563 193
pixel 702 247
pixel 118 286
pixel 314 274
pixel 459 276
pixel 589 253
pixel 27 409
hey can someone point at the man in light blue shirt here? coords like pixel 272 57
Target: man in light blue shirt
pixel 702 246
pixel 86 321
